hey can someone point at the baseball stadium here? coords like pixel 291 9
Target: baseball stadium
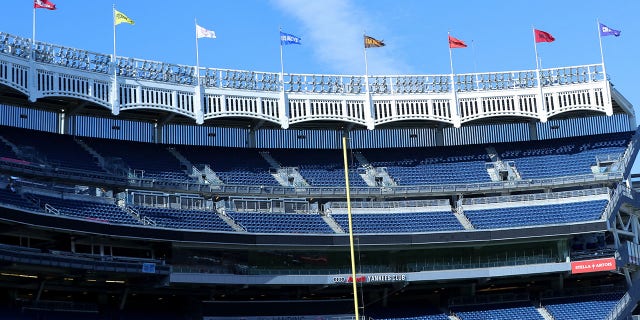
pixel 140 189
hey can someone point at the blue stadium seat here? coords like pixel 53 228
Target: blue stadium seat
pixel 509 311
pixel 582 308
pixel 184 219
pixel 398 222
pixel 529 215
pixel 280 222
pixel 89 210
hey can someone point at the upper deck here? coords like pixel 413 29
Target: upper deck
pixel 287 99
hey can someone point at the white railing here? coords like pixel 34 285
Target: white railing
pixel 314 97
pixel 536 196
pixel 390 204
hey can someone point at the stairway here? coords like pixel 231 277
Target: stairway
pixel 290 177
pixel 462 218
pixel 183 161
pixel 361 159
pixel 136 215
pixel 203 174
pixel 230 221
pixel 373 176
pixel 272 162
pixel 544 313
pixel 332 223
pixel 10 144
pixel 95 154
pixel 208 175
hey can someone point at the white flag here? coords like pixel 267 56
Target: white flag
pixel 204 33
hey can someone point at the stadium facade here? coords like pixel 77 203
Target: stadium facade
pixel 135 189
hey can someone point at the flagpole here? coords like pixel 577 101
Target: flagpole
pixel 453 81
pixel 604 70
pixel 535 47
pixel 542 104
pixel 281 62
pixel 450 54
pixel 33 34
pixel 195 20
pixel 366 68
pixel 115 64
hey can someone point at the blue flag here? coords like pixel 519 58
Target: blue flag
pixel 286 38
pixel 606 31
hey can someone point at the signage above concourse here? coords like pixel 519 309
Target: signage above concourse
pixel 374 278
pixel 595 265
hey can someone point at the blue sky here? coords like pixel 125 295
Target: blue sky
pixel 499 34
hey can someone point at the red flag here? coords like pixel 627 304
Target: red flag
pixel 542 36
pixel 44 4
pixel 456 43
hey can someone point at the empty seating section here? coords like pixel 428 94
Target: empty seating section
pixel 268 222
pixel 8 197
pixel 5 150
pixel 96 211
pixel 530 214
pixel 406 313
pixel 436 165
pixel 49 148
pixel 320 168
pixel 562 157
pixel 399 222
pixel 582 308
pixel 232 165
pixel 245 166
pixel 510 311
pixel 153 160
pixel 184 219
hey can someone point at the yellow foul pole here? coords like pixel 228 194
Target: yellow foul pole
pixel 353 260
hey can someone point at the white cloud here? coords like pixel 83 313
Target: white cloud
pixel 334 29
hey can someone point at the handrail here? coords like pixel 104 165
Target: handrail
pixel 142 69
pixel 536 196
pixel 32 169
pixel 51 209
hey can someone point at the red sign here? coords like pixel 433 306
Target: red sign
pixel 596 265
pixel 358 279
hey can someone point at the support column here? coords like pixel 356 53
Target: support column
pixel 542 109
pixel 439 136
pixel 454 109
pixel 369 111
pixel 115 102
pixel 62 123
pixel 32 80
pixel 533 130
pixel 283 110
pixel 607 99
pixel 198 103
pixel 251 139
pixel 123 300
pixel 40 290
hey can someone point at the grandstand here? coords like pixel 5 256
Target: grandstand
pixel 510 199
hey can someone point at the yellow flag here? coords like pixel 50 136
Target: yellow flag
pixel 121 17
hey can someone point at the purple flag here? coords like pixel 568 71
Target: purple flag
pixel 606 31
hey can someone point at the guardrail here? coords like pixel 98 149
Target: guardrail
pixel 536 196
pixel 48 70
pixel 106 179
